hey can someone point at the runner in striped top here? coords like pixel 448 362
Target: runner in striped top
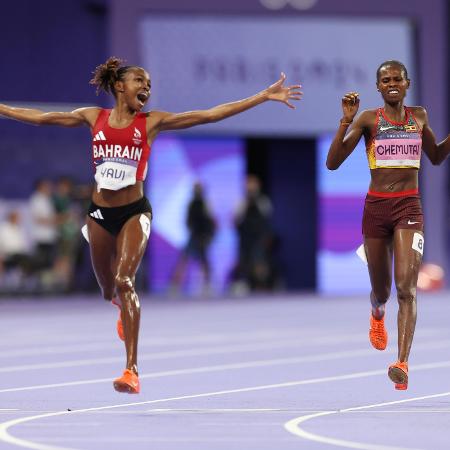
pixel 392 221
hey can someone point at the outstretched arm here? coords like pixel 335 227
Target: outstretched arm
pixel 436 152
pixel 343 144
pixel 275 92
pixel 81 116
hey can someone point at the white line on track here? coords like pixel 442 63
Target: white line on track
pixel 235 366
pixel 293 425
pixel 290 341
pixel 214 410
pixel 212 338
pixel 198 351
pixel 427 346
pixel 303 339
pixel 5 436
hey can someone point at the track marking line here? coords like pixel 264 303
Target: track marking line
pixel 214 410
pixel 206 369
pixel 236 366
pixel 200 351
pixel 268 334
pixel 293 425
pixel 5 436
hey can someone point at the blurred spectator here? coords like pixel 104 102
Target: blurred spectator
pixel 43 228
pixel 14 251
pixel 68 232
pixel 84 278
pixel 202 226
pixel 254 270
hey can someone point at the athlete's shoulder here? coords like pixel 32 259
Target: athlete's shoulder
pixel 420 114
pixel 367 117
pixel 89 114
pixel 369 112
pixel 154 117
pixel 418 110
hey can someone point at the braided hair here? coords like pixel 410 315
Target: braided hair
pixel 106 75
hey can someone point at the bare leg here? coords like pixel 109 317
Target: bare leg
pixel 379 258
pixel 131 244
pixel 406 270
pixel 102 246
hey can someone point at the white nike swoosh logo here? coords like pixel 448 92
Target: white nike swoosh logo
pixel 387 128
pixel 412 223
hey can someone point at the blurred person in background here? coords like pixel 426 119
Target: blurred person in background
pixel 14 250
pixel 395 136
pixel 202 226
pixel 254 269
pixel 118 219
pixel 68 226
pixel 44 230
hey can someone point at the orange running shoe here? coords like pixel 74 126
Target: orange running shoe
pixel 398 373
pixel 377 333
pixel 128 382
pixel 119 324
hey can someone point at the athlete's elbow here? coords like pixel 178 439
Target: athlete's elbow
pixel 38 120
pixel 212 117
pixel 437 160
pixel 332 165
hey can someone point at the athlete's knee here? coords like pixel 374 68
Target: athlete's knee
pixel 381 295
pixel 406 293
pixel 124 284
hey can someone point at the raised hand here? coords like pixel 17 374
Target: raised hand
pixel 350 106
pixel 280 93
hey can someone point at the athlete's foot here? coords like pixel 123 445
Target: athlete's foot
pixel 128 383
pixel 119 324
pixel 398 373
pixel 377 333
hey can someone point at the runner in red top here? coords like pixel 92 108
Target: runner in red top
pixel 119 217
pixel 393 221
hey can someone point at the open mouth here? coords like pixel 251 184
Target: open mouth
pixel 393 91
pixel 142 98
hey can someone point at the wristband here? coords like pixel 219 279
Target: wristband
pixel 343 122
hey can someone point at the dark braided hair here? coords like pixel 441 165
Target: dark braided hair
pixel 105 75
pixel 392 62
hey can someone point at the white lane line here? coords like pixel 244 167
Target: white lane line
pixel 7 437
pixel 158 341
pixel 202 351
pixel 293 425
pixel 214 410
pixel 199 351
pixel 232 366
pixel 284 337
pixel 208 369
pixel 269 334
pixel 406 411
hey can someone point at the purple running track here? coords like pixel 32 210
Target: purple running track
pixel 274 373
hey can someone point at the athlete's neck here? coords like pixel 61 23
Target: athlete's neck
pixel 395 112
pixel 121 116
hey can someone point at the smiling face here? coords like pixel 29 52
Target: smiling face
pixel 134 89
pixel 392 83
